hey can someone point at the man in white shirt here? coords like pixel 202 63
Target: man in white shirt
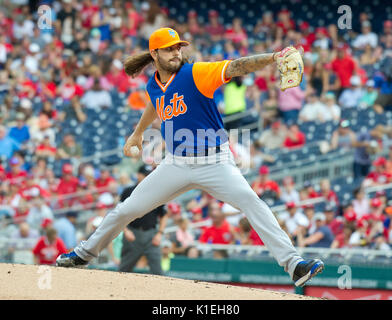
pixel 350 97
pixel 294 219
pixel 366 37
pixel 96 98
pixel 331 110
pixel 312 110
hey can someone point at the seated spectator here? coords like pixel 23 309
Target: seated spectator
pixel 183 240
pixel 294 138
pixel 309 212
pixel 366 37
pixel 308 191
pixel 360 203
pixel 289 193
pixel 367 143
pixel 273 137
pixel 245 234
pixel 48 248
pixel 66 230
pixel 45 149
pixel 100 211
pixel 96 98
pixel 67 186
pixel 313 110
pixel 68 89
pixel 295 221
pixel 351 96
pixel 201 202
pixel 20 133
pixel 95 75
pixel 326 192
pixel 359 237
pixel 220 232
pixel 265 188
pixel 322 236
pixel 331 111
pixel 370 95
pixel 214 28
pixel 73 110
pixel 69 149
pixel 334 222
pixel 376 211
pixel 39 211
pixel 343 137
pixel 16 175
pixel 269 107
pixel 380 175
pixel 343 66
pixel 105 182
pixel 7 145
pixel 383 82
pixel 342 240
pixel 117 76
pixel 24 238
pixel 49 112
pixel 290 103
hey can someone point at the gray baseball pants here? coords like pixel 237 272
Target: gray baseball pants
pixel 216 174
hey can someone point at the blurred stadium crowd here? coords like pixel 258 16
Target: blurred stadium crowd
pixel 65 100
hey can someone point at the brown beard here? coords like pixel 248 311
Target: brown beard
pixel 166 66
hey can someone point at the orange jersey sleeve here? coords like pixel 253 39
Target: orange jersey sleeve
pixel 148 96
pixel 209 76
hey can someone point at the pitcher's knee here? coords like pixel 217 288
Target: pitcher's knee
pixel 246 197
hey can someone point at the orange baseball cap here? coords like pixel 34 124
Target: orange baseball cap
pixel 164 38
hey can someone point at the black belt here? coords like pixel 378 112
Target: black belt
pixel 207 151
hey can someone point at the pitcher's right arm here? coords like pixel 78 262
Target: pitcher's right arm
pixel 136 138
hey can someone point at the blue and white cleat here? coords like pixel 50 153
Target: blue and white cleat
pixel 306 270
pixel 70 260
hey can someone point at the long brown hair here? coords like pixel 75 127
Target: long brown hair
pixel 135 64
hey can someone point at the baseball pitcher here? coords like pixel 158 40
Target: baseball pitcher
pixel 198 155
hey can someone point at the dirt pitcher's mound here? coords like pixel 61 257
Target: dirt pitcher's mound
pixel 41 282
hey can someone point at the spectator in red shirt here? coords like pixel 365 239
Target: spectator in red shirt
pixel 117 76
pixel 214 28
pixel 380 175
pixel 220 232
pixel 284 21
pixel 69 88
pixel 21 211
pixel 264 187
pixel 87 13
pixel 376 210
pixel 295 138
pixel 344 67
pixel 334 223
pixel 48 247
pixel 105 181
pixel 193 25
pixel 326 192
pixel 237 33
pixel 16 174
pixel 45 149
pixel 308 191
pixel 342 240
pixel 68 184
pixel 246 235
pixel 307 37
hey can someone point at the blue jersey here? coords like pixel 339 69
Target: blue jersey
pixel 190 120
